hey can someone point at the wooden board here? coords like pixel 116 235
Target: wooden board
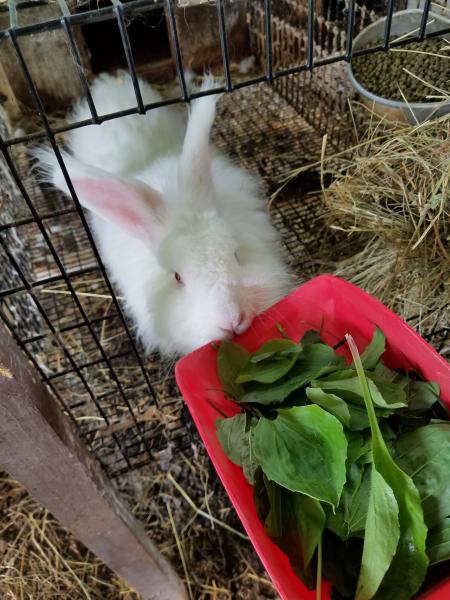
pixel 40 447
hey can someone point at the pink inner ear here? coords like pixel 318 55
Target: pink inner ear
pixel 122 203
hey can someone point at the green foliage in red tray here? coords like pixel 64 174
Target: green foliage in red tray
pixel 349 463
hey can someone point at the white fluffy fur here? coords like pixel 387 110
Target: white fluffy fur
pixel 214 231
pixel 129 144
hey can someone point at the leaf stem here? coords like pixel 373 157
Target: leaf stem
pixel 319 570
pixel 221 413
pixel 339 344
pixel 365 388
pixel 282 331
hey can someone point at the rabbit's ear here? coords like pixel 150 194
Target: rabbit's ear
pixel 131 205
pixel 195 162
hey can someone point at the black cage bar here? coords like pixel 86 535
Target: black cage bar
pixel 106 439
pixel 122 11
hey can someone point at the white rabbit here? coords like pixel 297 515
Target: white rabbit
pixel 182 231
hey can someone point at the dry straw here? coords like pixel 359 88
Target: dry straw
pixel 184 511
pixel 41 560
pixel 392 199
pixel 388 205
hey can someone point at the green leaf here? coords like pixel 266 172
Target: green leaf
pixel 311 337
pixel 295 521
pixel 270 362
pixel 260 497
pixel 359 421
pixel 315 357
pixel 383 394
pixel 409 421
pixel 422 395
pixel 304 450
pixel 371 355
pixel 358 446
pixel 350 517
pixel 309 523
pixel 408 567
pixel 231 432
pixel 438 542
pixel 286 350
pixel 387 432
pixel 393 395
pixel 341 561
pixel 357 506
pixel 304 520
pixel 313 361
pixel 382 533
pixel 331 403
pixel 425 455
pixel 273 522
pixel 231 359
pixel 237 443
pixel 358 418
pixel 383 372
pixel 276 393
pixel 343 373
pixel 256 358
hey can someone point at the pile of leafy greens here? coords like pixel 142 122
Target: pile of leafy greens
pixel 349 463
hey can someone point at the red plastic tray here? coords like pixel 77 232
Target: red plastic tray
pixel 335 307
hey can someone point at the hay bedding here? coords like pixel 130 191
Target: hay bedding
pixel 391 199
pixel 40 560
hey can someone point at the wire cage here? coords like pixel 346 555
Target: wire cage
pixel 55 294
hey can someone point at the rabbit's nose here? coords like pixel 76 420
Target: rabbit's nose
pixel 227 333
pixel 236 326
pixel 241 323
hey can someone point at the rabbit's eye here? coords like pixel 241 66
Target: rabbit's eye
pixel 178 278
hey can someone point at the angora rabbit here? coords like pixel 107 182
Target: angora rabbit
pixel 182 231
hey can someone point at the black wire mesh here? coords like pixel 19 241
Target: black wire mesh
pixel 55 294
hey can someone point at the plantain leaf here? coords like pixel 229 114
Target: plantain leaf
pixel 273 523
pixel 422 395
pixel 311 336
pixel 231 359
pixel 341 560
pixel 268 364
pixel 313 361
pixel 382 533
pixel 350 517
pixel 304 450
pixel 307 519
pixel 408 567
pixel 372 354
pixel 438 542
pixel 303 525
pixel 331 403
pixel 425 455
pixel 236 440
pixel 294 521
pixel 358 446
pixel 347 460
pixel 384 394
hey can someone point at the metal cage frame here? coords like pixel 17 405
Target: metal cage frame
pixel 121 12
